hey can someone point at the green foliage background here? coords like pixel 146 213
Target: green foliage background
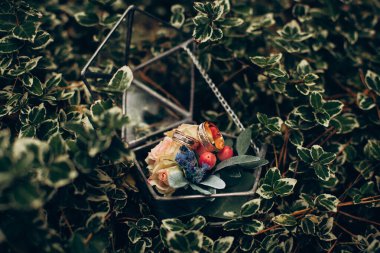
pixel 304 75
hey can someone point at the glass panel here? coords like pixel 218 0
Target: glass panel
pixel 148 114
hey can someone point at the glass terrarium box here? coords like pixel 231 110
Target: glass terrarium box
pixel 161 98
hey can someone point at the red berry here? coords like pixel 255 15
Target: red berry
pixel 207 158
pixel 200 150
pixel 225 153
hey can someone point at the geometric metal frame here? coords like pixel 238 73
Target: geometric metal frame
pixel 128 15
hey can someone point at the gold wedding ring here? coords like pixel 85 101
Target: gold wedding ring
pixel 184 139
pixel 210 136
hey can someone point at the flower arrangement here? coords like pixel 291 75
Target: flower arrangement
pixel 192 157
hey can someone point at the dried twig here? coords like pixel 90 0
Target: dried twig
pixel 359 218
pixel 344 229
pixel 320 136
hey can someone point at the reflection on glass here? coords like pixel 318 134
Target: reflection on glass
pixel 147 114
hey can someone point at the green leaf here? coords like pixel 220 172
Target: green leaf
pixel 243 141
pixel 326 158
pixel 345 123
pixel 200 189
pixel 333 107
pixel 200 7
pixel 173 224
pixel 222 245
pixel 177 179
pixel 328 201
pixel 178 17
pixel 250 208
pixel 233 225
pixel 292 32
pixel 316 152
pixel 271 176
pixel 42 40
pixel 57 145
pixel 134 235
pixel 365 168
pixel 252 227
pixel 284 186
pixel 316 100
pixel 364 102
pixel 310 78
pixel 28 131
pixel 201 20
pixel 121 80
pixel 296 138
pixel 301 11
pixel 308 224
pixel 4 64
pixel 7 21
pixel 202 33
pixel 218 11
pixel 214 182
pixel 304 68
pixel 305 112
pixel 326 225
pixel 322 117
pixel 32 64
pixel 304 154
pixel 196 223
pixel 263 62
pixel 276 72
pixel 144 224
pixel 190 241
pixel 26 31
pixel 140 246
pixel 322 171
pixel 285 220
pixel 231 22
pixel 246 243
pixel 328 237
pixel 372 80
pixel 372 149
pixel 272 124
pixel 265 191
pixel 216 34
pixel 34 86
pixel 88 19
pixel 259 22
pixel 61 172
pixel 246 161
pixel 37 114
pixel 9 45
pixel 53 81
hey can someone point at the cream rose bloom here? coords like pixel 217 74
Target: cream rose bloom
pixel 165 150
pixel 160 176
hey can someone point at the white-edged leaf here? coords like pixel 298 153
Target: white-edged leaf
pixel 223 245
pixel 328 201
pixel 284 186
pixel 250 208
pixel 121 80
pixel 87 19
pixel 285 220
pixel 26 31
